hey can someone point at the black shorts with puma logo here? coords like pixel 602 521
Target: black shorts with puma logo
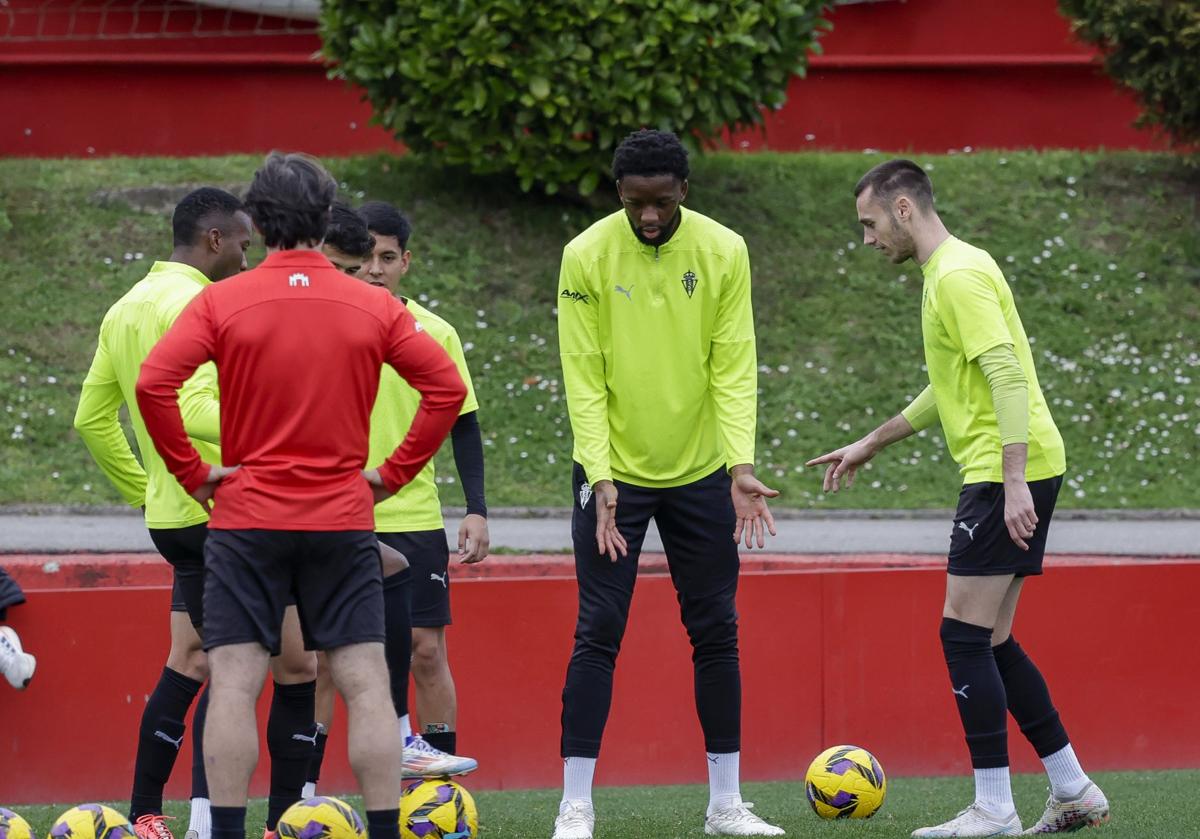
pixel 980 545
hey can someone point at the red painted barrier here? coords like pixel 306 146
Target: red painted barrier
pixel 922 75
pixel 834 649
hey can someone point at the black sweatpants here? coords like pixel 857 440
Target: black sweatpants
pixel 696 522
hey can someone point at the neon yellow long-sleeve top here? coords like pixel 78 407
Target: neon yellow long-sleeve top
pixel 129 331
pixel 658 352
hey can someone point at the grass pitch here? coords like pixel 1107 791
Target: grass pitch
pixel 1145 804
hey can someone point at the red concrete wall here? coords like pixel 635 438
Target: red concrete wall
pixel 923 75
pixel 834 649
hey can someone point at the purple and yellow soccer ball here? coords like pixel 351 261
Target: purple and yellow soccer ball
pixel 845 782
pixel 13 826
pixel 321 817
pixel 438 809
pixel 92 821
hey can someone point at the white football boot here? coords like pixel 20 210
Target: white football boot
pixel 974 821
pixel 737 820
pixel 16 664
pixel 1088 809
pixel 422 760
pixel 576 820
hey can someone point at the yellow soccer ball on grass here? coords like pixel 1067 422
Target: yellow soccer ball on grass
pixel 13 826
pixel 321 817
pixel 438 809
pixel 845 782
pixel 92 821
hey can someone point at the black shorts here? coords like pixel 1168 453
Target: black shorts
pixel 428 555
pixel 183 547
pixel 980 545
pixel 335 577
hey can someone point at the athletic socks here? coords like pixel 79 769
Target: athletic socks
pixel 442 738
pixel 1067 778
pixel 200 818
pixel 577 778
pixel 199 779
pixel 228 823
pixel 979 691
pixel 159 738
pixel 1031 706
pixel 993 789
pixel 397 628
pixel 291 736
pixel 724 787
pixel 383 824
pixel 315 761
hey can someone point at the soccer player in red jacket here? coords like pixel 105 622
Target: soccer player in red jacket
pixel 298 348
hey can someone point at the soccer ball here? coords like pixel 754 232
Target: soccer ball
pixel 13 826
pixel 320 817
pixel 92 821
pixel 845 782
pixel 438 809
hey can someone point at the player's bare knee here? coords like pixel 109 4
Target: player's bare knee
pixel 358 670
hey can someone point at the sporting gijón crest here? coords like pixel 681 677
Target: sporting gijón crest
pixel 689 282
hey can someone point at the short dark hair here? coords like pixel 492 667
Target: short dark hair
pixel 384 219
pixel 896 177
pixel 648 153
pixel 348 232
pixel 290 199
pixel 200 210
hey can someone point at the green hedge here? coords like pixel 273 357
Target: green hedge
pixel 544 91
pixel 1153 48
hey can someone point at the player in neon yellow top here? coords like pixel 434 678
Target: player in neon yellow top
pixel 656 337
pixel 411 520
pixel 984 390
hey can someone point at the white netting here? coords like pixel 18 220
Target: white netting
pixel 48 21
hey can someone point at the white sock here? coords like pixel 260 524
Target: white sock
pixel 308 790
pixel 724 785
pixel 200 819
pixel 993 789
pixel 577 778
pixel 1067 778
pixel 405 729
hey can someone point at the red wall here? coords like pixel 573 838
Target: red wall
pixel 925 75
pixel 834 649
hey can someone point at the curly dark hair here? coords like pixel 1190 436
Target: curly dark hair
pixel 649 152
pixel 290 199
pixel 201 210
pixel 348 232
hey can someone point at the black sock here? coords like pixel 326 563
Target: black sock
pixel 291 735
pixel 318 757
pixel 159 738
pixel 381 824
pixel 1029 699
pixel 446 741
pixel 228 823
pixel 199 779
pixel 397 646
pixel 977 686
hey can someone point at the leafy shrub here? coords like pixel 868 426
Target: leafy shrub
pixel 1152 47
pixel 545 90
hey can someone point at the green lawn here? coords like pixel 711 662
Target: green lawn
pixel 1145 804
pixel 1102 250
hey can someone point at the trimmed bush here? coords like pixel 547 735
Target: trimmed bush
pixel 545 90
pixel 1153 48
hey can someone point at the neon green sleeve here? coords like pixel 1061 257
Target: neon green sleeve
pixel 734 365
pixel 583 369
pixel 99 425
pixel 922 412
pixel 1010 392
pixel 199 402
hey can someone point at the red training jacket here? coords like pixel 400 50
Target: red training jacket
pixel 298 347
